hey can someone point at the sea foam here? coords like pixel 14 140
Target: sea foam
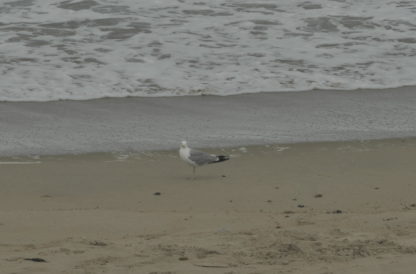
pixel 54 50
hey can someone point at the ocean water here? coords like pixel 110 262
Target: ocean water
pixel 53 50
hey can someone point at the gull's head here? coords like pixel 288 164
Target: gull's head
pixel 184 144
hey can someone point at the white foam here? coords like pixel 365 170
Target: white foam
pixel 19 163
pixel 53 51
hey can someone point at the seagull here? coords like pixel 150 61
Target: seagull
pixel 198 158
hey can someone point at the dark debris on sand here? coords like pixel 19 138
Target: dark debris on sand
pixel 337 211
pixel 36 260
pixel 97 243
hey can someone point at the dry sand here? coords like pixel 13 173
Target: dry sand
pixel 341 207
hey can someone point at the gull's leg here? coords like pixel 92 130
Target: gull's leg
pixel 193 169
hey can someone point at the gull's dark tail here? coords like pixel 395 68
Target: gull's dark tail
pixel 221 158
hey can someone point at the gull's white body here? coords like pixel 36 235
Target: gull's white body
pixel 185 154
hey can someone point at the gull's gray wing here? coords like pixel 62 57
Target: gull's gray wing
pixel 201 158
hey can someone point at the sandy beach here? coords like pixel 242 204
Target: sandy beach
pixel 326 207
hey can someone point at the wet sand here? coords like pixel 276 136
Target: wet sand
pixel 326 207
pixel 138 124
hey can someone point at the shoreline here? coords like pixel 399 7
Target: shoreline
pixel 219 95
pixel 335 207
pixel 121 155
pixel 145 124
